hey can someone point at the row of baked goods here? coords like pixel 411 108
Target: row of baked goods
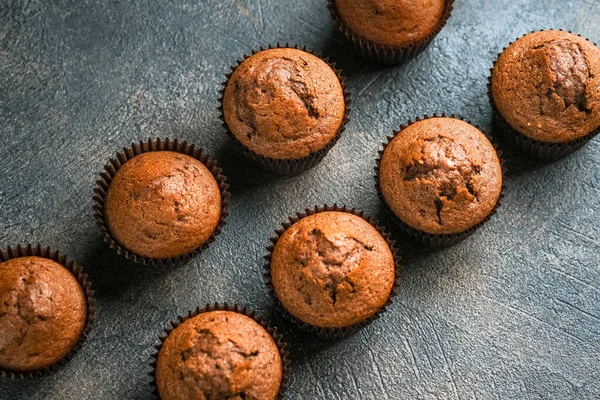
pixel 331 270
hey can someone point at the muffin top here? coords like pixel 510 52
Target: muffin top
pixel 284 103
pixel 42 313
pixel 547 86
pixel 219 355
pixel 393 23
pixel 441 176
pixel 332 270
pixel 162 204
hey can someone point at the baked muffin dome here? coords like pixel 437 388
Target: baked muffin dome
pixel 219 355
pixel 162 204
pixel 440 176
pixel 332 270
pixel 546 85
pixel 392 23
pixel 43 313
pixel 284 104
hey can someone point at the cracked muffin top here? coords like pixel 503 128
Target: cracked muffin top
pixel 219 355
pixel 332 270
pixel 284 103
pixel 43 313
pixel 393 23
pixel 547 86
pixel 440 176
pixel 162 204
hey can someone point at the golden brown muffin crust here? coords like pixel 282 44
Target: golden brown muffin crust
pixel 391 22
pixel 284 103
pixel 219 355
pixel 332 270
pixel 163 204
pixel 441 176
pixel 42 313
pixel 547 86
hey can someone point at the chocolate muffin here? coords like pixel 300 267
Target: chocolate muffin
pixel 284 104
pixel 43 313
pixel 332 270
pixel 219 355
pixel 162 204
pixel 390 31
pixel 392 23
pixel 440 176
pixel 546 86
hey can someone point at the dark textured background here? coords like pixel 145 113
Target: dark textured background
pixel 511 313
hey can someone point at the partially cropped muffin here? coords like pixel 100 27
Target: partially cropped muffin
pixel 440 176
pixel 390 31
pixel 332 270
pixel 284 104
pixel 162 204
pixel 391 22
pixel 43 313
pixel 546 86
pixel 219 355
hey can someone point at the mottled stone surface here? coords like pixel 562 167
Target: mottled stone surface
pixel 511 313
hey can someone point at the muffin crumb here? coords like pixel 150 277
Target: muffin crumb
pixel 571 73
pixel 331 260
pixel 443 163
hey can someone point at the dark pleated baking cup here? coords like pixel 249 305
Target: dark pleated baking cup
pixel 525 144
pixel 388 55
pixel 47 252
pixel 419 236
pixel 277 338
pixel 149 145
pixel 330 333
pixel 297 166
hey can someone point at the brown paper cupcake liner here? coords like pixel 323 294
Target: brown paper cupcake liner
pixel 388 55
pixel 330 333
pixel 523 143
pixel 82 278
pixel 277 337
pixel 158 144
pixel 296 166
pixel 419 236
